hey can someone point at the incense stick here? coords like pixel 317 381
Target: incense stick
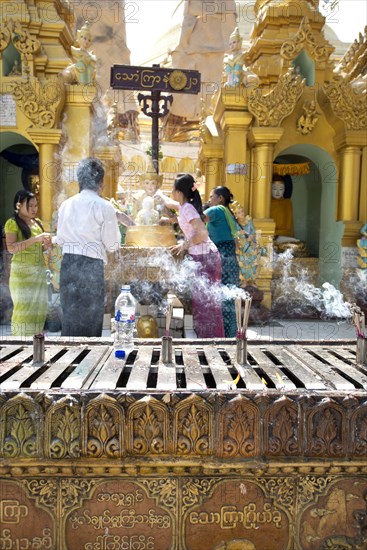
pixel 168 318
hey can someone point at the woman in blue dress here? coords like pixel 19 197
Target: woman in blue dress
pixel 222 228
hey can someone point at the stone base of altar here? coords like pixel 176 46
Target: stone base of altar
pixel 200 454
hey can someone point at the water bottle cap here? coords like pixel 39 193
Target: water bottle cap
pixel 125 287
pixel 120 353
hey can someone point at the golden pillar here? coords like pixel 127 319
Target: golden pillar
pixel 235 127
pixel 111 157
pixel 49 169
pixel 348 197
pixel 363 191
pixel 352 183
pixel 262 140
pixel 211 158
pixel 78 129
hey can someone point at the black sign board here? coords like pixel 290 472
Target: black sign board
pixel 129 77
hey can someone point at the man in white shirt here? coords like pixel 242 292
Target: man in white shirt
pixel 87 229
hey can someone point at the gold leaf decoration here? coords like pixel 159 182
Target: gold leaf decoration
pixel 39 102
pixel 22 428
pixel 239 422
pixel 281 490
pixel 193 430
pixel 73 491
pixel 194 490
pixel 103 422
pixel 43 490
pixel 317 47
pixel 347 104
pixel 164 491
pixel 65 433
pixel 271 109
pixel 310 486
pixel 5 36
pixel 148 420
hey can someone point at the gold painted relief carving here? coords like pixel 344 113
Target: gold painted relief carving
pixel 236 510
pixel 148 427
pixel 193 427
pixel 325 428
pixel 310 486
pixel 5 36
pixel 347 104
pixel 281 490
pixel 164 491
pixel 195 490
pixel 23 428
pixel 271 109
pixel 63 429
pixel 23 524
pixel 104 421
pixel 283 428
pixel 336 518
pixel 120 514
pixel 239 425
pixel 305 39
pixel 359 431
pixel 39 102
pixel 43 490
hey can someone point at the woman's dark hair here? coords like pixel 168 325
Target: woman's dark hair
pixel 186 184
pixel 222 191
pixel 90 173
pixel 23 196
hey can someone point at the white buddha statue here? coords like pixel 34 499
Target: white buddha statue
pixel 282 213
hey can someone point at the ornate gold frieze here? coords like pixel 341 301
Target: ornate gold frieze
pixel 148 427
pixel 305 39
pixel 38 101
pixel 63 429
pixel 347 104
pixel 194 427
pixel 239 428
pixel 272 108
pixel 103 427
pixel 354 61
pixel 284 428
pixel 326 429
pixel 22 431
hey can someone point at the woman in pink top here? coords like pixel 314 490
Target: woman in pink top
pixel 206 303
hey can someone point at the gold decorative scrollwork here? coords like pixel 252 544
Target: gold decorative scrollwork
pixel 194 427
pixel 240 422
pixel 43 490
pixel 21 437
pixel 104 422
pixel 306 39
pixel 25 43
pixel 5 36
pixel 164 491
pixel 272 108
pixel 310 486
pixel 73 491
pixel 194 490
pixel 177 80
pixel 348 105
pixel 148 424
pixel 282 423
pixel 281 490
pixel 63 427
pixel 39 102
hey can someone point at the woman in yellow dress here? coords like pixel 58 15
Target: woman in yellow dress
pixel 26 240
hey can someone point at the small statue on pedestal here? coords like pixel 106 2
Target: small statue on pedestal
pixel 234 72
pixel 83 71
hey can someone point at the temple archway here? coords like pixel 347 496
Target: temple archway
pixel 314 198
pixel 18 162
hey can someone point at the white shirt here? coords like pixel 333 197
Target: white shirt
pixel 87 225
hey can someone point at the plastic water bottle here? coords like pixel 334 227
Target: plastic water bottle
pixel 125 308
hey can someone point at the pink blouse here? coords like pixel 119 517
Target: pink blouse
pixel 187 213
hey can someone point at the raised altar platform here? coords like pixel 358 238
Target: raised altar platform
pixel 179 456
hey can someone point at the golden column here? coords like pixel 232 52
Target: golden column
pixel 351 187
pixel 48 141
pixel 232 115
pixel 78 128
pixel 211 158
pixel 363 193
pixel 262 140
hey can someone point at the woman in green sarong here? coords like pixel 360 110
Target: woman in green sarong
pixel 26 240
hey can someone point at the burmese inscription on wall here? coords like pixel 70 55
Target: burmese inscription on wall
pixel 7 110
